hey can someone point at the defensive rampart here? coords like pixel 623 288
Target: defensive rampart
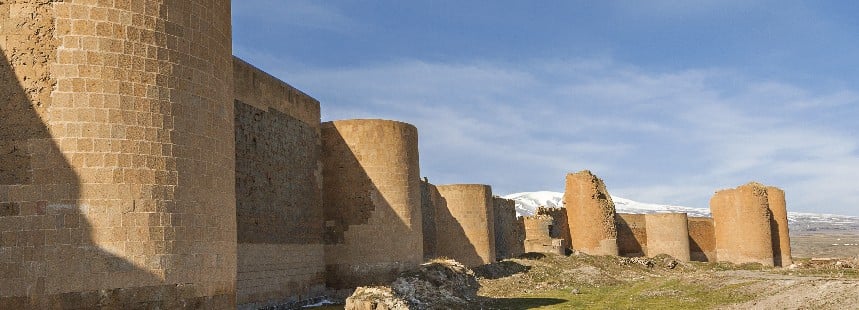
pixel 591 214
pixel 742 225
pixel 465 229
pixel 560 224
pixel 702 239
pixel 372 201
pixel 668 233
pixel 509 235
pixel 281 256
pixel 117 173
pixel 631 235
pixel 538 237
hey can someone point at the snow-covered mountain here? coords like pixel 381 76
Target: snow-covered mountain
pixel 528 202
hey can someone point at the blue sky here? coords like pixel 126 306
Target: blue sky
pixel 667 101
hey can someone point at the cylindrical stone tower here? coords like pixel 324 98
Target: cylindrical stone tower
pixel 372 201
pixel 667 233
pixel 742 225
pixel 779 227
pixel 591 214
pixel 465 230
pixel 118 149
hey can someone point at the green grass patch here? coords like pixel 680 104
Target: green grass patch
pixel 653 294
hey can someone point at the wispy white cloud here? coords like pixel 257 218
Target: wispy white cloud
pixel 282 15
pixel 669 137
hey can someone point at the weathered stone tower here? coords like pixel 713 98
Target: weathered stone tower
pixel 742 225
pixel 631 235
pixel 702 239
pixel 591 214
pixel 281 255
pixel 372 201
pixel 118 154
pixel 779 227
pixel 465 229
pixel 667 233
pixel 509 235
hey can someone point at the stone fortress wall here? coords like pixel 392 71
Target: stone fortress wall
pixel 509 230
pixel 118 170
pixel 465 228
pixel 371 200
pixel 702 239
pixel 668 233
pixel 560 228
pixel 631 235
pixel 281 254
pixel 147 167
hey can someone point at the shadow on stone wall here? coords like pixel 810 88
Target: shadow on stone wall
pixel 776 240
pixel 351 199
pixel 49 257
pixel 627 243
pixel 451 230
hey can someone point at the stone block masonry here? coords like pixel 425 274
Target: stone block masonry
pixel 742 219
pixel 702 239
pixel 509 235
pixel 465 229
pixel 118 166
pixel 371 200
pixel 281 254
pixel 591 214
pixel 667 233
pixel 631 235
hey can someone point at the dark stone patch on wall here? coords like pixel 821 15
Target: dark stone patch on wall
pixel 277 192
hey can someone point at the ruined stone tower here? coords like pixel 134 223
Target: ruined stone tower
pixel 667 233
pixel 702 239
pixel 465 229
pixel 372 201
pixel 538 235
pixel 779 227
pixel 118 164
pixel 742 225
pixel 281 255
pixel 591 214
pixel 631 235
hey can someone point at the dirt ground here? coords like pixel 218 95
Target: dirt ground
pixel 557 282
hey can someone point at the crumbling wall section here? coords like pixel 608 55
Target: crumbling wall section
pixel 560 223
pixel 779 227
pixel 742 225
pixel 538 238
pixel 591 214
pixel 281 255
pixel 668 233
pixel 702 239
pixel 372 201
pixel 509 237
pixel 121 179
pixel 631 235
pixel 465 228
